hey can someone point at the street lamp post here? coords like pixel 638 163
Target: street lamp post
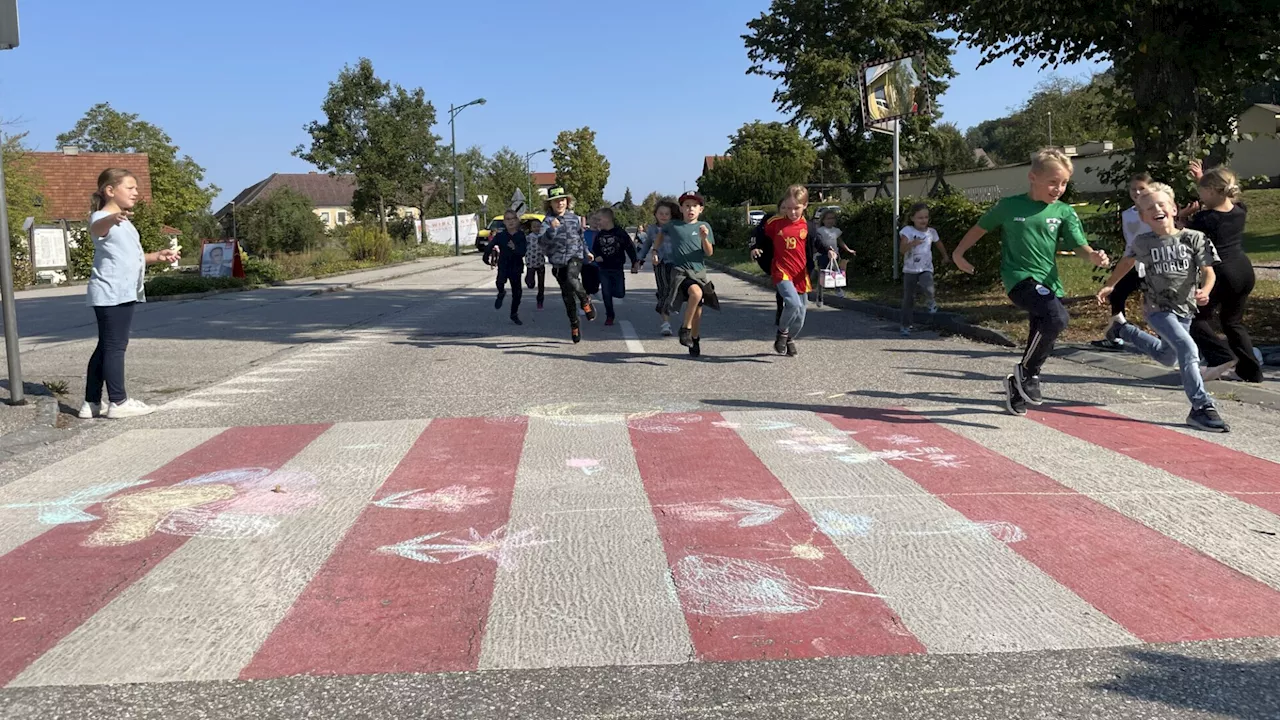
pixel 233 220
pixel 528 174
pixel 453 149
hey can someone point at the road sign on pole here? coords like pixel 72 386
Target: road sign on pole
pixel 484 199
pixel 517 201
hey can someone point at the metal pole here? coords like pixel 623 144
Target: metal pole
pixel 16 394
pixel 897 125
pixel 453 150
pixel 528 166
pixel 1050 128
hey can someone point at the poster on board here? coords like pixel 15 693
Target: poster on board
pixel 48 248
pixel 220 259
pixel 440 230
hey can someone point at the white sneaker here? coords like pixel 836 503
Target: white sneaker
pixel 666 329
pixel 1215 373
pixel 129 408
pixel 89 411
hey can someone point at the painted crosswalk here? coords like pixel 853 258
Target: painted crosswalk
pixel 587 538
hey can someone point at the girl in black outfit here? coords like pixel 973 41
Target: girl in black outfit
pixel 1223 219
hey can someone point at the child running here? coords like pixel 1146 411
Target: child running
pixel 827 249
pixel 916 242
pixel 1031 226
pixel 692 242
pixel 561 240
pixel 510 247
pixel 536 260
pixel 612 248
pixel 665 212
pixel 788 232
pixel 1176 267
pixel 1132 226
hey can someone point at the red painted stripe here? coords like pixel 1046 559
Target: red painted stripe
pixel 722 570
pixel 56 582
pixel 376 612
pixel 1152 585
pixel 1200 461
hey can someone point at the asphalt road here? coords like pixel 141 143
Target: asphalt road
pixel 389 501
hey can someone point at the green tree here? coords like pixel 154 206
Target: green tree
pixel 378 132
pixel 177 192
pixel 946 148
pixel 1181 69
pixel 282 222
pixel 1080 112
pixel 816 49
pixel 580 168
pixel 503 175
pixel 645 213
pixel 763 159
pixel 22 195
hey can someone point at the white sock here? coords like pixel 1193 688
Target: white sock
pixel 1119 318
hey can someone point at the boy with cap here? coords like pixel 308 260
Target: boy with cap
pixel 691 242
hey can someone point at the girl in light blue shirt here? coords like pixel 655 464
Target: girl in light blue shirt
pixel 115 289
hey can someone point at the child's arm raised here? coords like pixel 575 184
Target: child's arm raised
pixel 970 239
pixel 1122 268
pixel 708 244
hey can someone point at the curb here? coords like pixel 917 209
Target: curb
pixel 944 321
pixel 304 281
pixel 1117 362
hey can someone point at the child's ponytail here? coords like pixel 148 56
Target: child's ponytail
pixel 111 177
pixel 1222 180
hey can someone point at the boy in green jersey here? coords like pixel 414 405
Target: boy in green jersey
pixel 1032 225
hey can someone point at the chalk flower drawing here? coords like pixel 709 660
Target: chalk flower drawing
pixel 496 546
pixel 749 513
pixel 452 499
pixel 730 587
pixel 71 508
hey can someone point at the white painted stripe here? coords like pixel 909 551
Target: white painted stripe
pixel 62 491
pixel 1216 524
pixel 599 592
pixel 205 610
pixel 957 592
pixel 252 379
pixel 190 403
pixel 633 340
pixel 279 368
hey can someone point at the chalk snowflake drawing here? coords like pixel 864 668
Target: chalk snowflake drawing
pixel 71 508
pixel 834 523
pixel 497 546
pixel 729 587
pixel 452 499
pixel 748 513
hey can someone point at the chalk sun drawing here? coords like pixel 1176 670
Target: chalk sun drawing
pixel 834 523
pixel 497 546
pixel 452 499
pixel 730 587
pixel 749 513
pixel 71 508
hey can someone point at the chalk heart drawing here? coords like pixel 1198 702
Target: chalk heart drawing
pixel 748 513
pixel 71 508
pixel 452 499
pixel 497 546
pixel 730 587
pixel 834 523
pixel 588 466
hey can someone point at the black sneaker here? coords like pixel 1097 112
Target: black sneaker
pixel 686 337
pixel 1028 386
pixel 780 342
pixel 695 348
pixel 791 348
pixel 1013 401
pixel 497 304
pixel 1208 419
pixel 516 319
pixel 576 334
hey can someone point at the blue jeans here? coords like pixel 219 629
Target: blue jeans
pixel 613 284
pixel 1173 346
pixel 794 306
pixel 107 362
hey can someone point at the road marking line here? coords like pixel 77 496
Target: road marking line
pixel 633 340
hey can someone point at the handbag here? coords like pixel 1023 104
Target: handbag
pixel 833 278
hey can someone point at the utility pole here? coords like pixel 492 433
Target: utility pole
pixel 453 150
pixel 17 396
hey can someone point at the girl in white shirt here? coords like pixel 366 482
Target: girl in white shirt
pixel 916 242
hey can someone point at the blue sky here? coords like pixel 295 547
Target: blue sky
pixel 234 82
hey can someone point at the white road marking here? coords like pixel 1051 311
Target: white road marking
pixel 633 340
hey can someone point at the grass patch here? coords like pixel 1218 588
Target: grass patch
pixel 1262 233
pixel 57 387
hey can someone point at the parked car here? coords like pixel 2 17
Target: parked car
pixel 756 216
pixel 495 225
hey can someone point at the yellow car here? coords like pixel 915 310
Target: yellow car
pixel 496 224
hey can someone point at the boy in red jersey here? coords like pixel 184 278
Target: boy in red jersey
pixel 789 233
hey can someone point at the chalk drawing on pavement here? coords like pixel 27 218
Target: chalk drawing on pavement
pixel 581 414
pixel 1001 530
pixel 452 499
pixel 71 508
pixel 435 548
pixel 797 550
pixel 935 457
pixel 747 513
pixel 897 439
pixel 138 515
pixel 834 523
pixel 731 587
pixel 804 441
pixel 588 466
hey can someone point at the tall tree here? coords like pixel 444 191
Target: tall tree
pixel 945 148
pixel 1181 68
pixel 1079 112
pixel 376 131
pixel 22 196
pixel 815 49
pixel 504 174
pixel 580 168
pixel 763 159
pixel 177 193
pixel 282 222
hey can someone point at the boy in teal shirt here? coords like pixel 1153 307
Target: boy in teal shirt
pixel 1032 226
pixel 690 242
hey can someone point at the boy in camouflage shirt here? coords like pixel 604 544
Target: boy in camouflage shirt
pixel 1176 268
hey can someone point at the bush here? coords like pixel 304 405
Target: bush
pixel 80 256
pixel 366 242
pixel 260 271
pixel 729 224
pixel 185 283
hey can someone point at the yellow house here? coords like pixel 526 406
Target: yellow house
pixel 1260 119
pixel 330 196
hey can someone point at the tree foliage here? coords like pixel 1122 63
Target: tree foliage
pixel 945 148
pixel 1080 112
pixel 504 173
pixel 763 159
pixel 1181 68
pixel 281 222
pixel 378 132
pixel 22 195
pixel 580 168
pixel 177 193
pixel 816 49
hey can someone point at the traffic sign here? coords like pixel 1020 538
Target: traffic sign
pixel 484 199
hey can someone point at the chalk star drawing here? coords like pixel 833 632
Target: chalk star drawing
pixel 452 499
pixel 731 587
pixel 71 508
pixel 496 546
pixel 834 523
pixel 749 513
pixel 588 466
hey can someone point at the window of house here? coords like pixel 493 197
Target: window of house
pixel 324 218
pixel 342 218
pixel 880 99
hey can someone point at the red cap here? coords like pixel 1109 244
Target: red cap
pixel 691 196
